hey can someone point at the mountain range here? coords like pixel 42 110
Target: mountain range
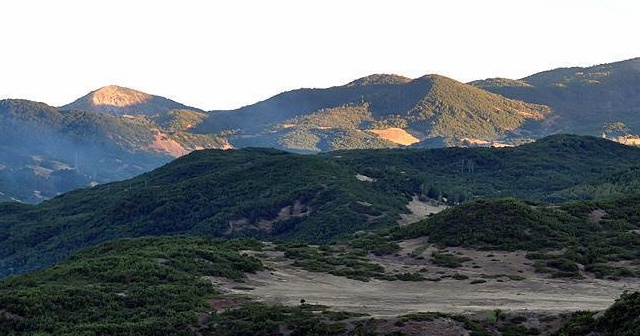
pixel 115 133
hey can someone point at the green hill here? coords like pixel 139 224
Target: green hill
pixel 601 236
pixel 257 192
pixel 544 170
pixel 268 193
pixel 340 117
pixel 146 286
pixel 584 100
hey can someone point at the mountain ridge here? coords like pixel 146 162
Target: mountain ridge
pixel 375 111
pixel 584 99
pixel 428 106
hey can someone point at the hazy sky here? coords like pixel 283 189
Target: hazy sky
pixel 226 54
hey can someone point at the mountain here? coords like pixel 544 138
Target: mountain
pixel 140 131
pixel 584 100
pixel 382 111
pixel 268 193
pixel 45 151
pixel 377 111
pixel 119 100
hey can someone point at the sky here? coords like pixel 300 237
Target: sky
pixel 227 54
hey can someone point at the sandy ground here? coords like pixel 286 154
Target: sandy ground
pixel 287 285
pixel 419 211
pixel 396 135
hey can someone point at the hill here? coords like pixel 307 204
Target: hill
pixel 377 111
pixel 599 237
pixel 147 286
pixel 45 151
pixel 118 100
pixel 584 100
pixel 348 116
pixel 269 193
pixel 198 286
pixel 551 169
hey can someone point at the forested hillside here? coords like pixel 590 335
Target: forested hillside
pixel 584 100
pixel 45 151
pixel 268 193
pixel 347 117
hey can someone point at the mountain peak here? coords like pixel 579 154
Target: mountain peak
pixel 118 96
pixel 119 100
pixel 378 79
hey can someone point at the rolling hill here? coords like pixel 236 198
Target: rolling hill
pixel 45 151
pixel 584 100
pixel 268 193
pixel 356 115
pixel 378 111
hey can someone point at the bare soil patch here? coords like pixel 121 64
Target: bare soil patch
pixel 396 135
pixel 420 210
pixel 164 144
pixel 118 96
pixel 285 284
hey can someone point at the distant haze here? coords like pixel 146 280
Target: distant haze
pixel 224 55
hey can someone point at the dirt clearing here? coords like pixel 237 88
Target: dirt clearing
pixel 285 284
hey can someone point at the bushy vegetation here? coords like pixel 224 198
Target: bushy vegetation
pixel 621 319
pixel 349 261
pixel 504 224
pixel 447 259
pixel 144 286
pixel 578 96
pixel 268 320
pixel 558 237
pixel 267 193
pixel 434 105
